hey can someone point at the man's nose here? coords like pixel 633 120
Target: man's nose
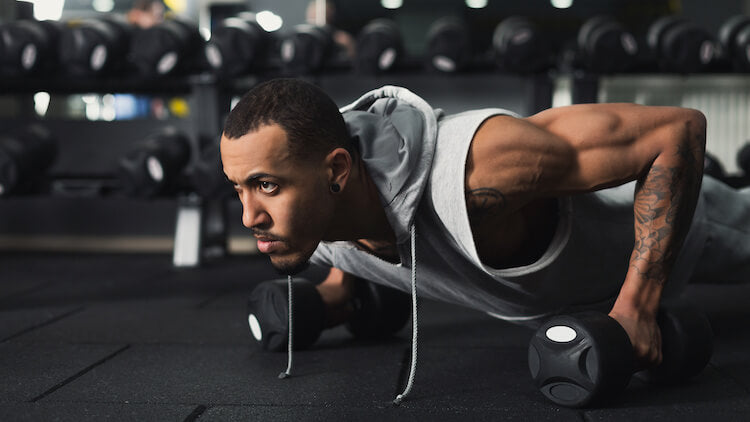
pixel 253 214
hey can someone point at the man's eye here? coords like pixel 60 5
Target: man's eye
pixel 268 187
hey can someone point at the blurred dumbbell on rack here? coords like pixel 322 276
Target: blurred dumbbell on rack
pixel 25 156
pixel 606 46
pixel 734 37
pixel 206 175
pixel 240 45
pixel 380 47
pixel 449 47
pixel 679 45
pixel 90 47
pixel 310 48
pixel 713 167
pixel 520 46
pixel 28 47
pixel 155 166
pixel 171 47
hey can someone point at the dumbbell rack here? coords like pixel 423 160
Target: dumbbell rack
pixel 200 223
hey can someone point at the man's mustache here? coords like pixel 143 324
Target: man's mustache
pixel 266 235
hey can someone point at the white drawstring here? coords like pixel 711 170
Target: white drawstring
pixel 413 368
pixel 288 371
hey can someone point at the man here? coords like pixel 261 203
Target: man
pixel 513 215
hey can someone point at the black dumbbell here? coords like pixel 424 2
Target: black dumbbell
pixel 28 46
pixel 680 46
pixel 307 48
pixel 734 36
pixel 237 46
pixel 24 157
pixel 606 46
pixel 520 46
pixel 449 47
pixel 155 165
pixel 172 46
pixel 379 46
pixel 91 47
pixel 378 311
pixel 712 167
pixel 585 359
pixel 206 175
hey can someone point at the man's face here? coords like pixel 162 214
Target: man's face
pixel 284 201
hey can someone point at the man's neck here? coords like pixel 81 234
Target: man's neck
pixel 360 213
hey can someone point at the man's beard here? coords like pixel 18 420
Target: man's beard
pixel 291 268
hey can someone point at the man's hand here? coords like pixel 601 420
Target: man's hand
pixel 644 334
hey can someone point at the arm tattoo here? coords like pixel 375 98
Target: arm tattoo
pixel 665 200
pixel 484 202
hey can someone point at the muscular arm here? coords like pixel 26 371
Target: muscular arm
pixel 588 147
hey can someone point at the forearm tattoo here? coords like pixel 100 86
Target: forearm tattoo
pixel 665 200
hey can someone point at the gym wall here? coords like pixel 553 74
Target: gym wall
pixel 80 205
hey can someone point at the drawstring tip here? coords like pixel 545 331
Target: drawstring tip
pixel 284 375
pixel 397 401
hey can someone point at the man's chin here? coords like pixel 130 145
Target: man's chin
pixel 290 266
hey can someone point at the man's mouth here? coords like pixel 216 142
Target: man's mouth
pixel 268 246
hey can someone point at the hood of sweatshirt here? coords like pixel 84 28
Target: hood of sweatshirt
pixel 395 132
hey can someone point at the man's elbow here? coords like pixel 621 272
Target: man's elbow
pixel 695 123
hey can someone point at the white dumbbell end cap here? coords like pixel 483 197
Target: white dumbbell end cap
pixel 255 327
pixel 561 334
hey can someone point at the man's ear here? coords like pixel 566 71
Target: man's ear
pixel 339 166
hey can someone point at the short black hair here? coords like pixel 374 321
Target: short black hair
pixel 312 121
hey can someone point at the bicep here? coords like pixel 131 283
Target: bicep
pixel 577 148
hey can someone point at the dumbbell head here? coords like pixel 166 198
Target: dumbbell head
pixel 581 359
pixel 268 314
pixel 27 46
pixel 155 165
pixel 679 45
pixel 166 48
pixel 379 46
pixel 94 46
pixel 235 45
pixel 207 175
pixel 606 46
pixel 448 45
pixel 24 156
pixel 734 36
pixel 379 311
pixel 306 48
pixel 712 167
pixel 520 46
pixel 686 342
pixel 743 158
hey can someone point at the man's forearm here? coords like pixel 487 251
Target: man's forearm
pixel 665 200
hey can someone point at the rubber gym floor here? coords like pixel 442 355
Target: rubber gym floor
pixel 130 338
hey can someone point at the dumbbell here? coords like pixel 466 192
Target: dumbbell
pixel 28 46
pixel 307 48
pixel 91 47
pixel 679 45
pixel 449 46
pixel 206 175
pixel 378 312
pixel 605 45
pixel 712 167
pixel 24 157
pixel 585 359
pixel 237 45
pixel 734 36
pixel 520 46
pixel 172 46
pixel 379 46
pixel 155 165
